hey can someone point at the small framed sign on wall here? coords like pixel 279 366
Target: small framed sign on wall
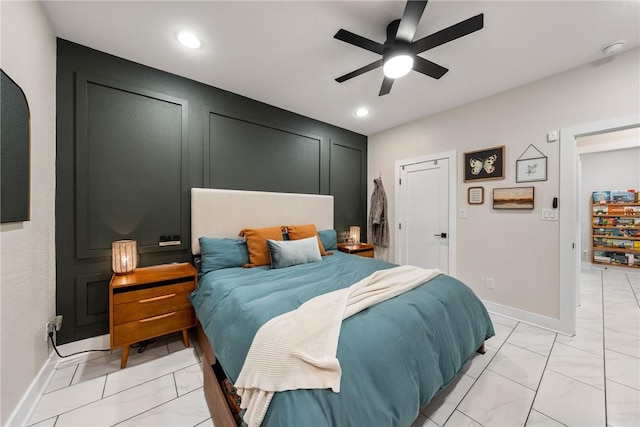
pixel 484 164
pixel 475 195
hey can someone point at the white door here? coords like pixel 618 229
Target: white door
pixel 423 228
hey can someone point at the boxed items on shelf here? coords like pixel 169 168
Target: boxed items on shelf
pixel 601 197
pixel 628 222
pixel 616 210
pixel 600 209
pixel 603 257
pixel 623 197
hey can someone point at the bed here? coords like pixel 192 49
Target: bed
pixel 394 356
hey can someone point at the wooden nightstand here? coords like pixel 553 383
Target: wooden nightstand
pixel 362 249
pixel 150 302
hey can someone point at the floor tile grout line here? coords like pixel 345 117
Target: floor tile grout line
pixel 475 380
pixel 111 395
pixel 621 353
pixel 75 371
pixel 622 384
pixel 163 403
pixel 604 347
pixel 575 379
pixel 77 407
pixel 544 370
pixel 550 417
pixel 139 384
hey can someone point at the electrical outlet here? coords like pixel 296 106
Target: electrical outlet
pixel 491 282
pixel 57 322
pixel 48 329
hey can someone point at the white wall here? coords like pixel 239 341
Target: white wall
pixel 516 248
pixel 609 170
pixel 27 267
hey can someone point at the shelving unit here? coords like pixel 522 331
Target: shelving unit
pixel 615 232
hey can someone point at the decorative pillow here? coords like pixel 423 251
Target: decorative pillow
pixel 287 253
pixel 222 253
pixel 257 244
pixel 297 232
pixel 329 239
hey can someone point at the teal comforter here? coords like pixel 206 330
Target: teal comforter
pixel 395 356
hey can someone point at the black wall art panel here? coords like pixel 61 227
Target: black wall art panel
pixel 14 152
pixel 133 140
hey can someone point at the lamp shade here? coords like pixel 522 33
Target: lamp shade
pixel 124 256
pixel 354 234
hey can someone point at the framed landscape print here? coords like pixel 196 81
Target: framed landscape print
pixel 513 198
pixel 484 164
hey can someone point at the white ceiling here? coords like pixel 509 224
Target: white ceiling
pixel 283 52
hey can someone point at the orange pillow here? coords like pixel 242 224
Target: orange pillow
pixel 257 244
pixel 297 232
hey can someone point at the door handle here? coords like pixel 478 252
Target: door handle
pixel 443 235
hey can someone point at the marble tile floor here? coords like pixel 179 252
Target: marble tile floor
pixel 528 376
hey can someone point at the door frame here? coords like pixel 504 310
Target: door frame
pixel 452 156
pixel 569 220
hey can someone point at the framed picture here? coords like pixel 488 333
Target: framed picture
pixel 484 164
pixel 529 170
pixel 513 198
pixel 475 195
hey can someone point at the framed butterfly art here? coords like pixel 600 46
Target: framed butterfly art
pixel 484 164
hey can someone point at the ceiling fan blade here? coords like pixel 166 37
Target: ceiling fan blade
pixel 356 40
pixel 410 18
pixel 359 71
pixel 453 32
pixel 428 68
pixel 386 86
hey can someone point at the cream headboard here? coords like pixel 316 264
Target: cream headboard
pixel 223 213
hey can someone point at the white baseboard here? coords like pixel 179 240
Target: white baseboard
pixel 22 413
pixel 525 316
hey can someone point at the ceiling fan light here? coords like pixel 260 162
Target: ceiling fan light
pixel 398 66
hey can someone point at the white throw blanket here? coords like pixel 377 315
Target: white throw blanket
pixel 297 350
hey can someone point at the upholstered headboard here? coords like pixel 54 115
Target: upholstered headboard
pixel 223 213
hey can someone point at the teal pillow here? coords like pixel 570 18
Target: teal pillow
pixel 329 239
pixel 222 253
pixel 287 253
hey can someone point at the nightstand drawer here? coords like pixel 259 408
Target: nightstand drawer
pixel 149 307
pixel 366 254
pixel 139 330
pixel 124 296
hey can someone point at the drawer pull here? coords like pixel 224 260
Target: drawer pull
pixel 161 297
pixel 151 319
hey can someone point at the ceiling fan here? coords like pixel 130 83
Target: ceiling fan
pixel 400 52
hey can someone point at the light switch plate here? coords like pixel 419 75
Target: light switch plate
pixel 549 215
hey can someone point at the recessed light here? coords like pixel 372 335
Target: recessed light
pixel 362 112
pixel 189 40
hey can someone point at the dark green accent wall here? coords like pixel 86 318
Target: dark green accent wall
pixel 132 141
